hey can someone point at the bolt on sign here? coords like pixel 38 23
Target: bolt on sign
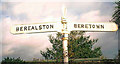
pixel 35 28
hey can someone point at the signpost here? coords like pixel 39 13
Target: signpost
pixel 64 27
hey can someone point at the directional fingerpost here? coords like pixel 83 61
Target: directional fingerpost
pixel 64 27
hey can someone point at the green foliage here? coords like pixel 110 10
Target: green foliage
pixel 9 60
pixel 79 46
pixel 119 54
pixel 56 51
pixel 116 15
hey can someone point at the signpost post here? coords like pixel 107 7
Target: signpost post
pixel 65 36
pixel 65 30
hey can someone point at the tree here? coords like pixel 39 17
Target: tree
pixel 79 46
pixel 119 54
pixel 116 19
pixel 116 15
pixel 9 60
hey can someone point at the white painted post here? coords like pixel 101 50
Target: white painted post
pixel 65 48
pixel 65 42
pixel 65 37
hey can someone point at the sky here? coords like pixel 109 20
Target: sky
pixel 28 46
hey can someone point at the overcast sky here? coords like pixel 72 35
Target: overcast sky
pixel 28 46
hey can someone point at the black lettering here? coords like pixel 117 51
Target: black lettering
pixel 51 26
pixel 17 28
pixel 47 26
pixel 98 26
pixel 36 28
pixel 32 28
pixel 40 27
pixel 21 28
pixel 75 25
pixel 86 25
pixel 43 26
pixel 102 26
pixel 25 28
pixel 78 25
pixel 29 27
pixel 82 25
pixel 90 25
pixel 93 26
